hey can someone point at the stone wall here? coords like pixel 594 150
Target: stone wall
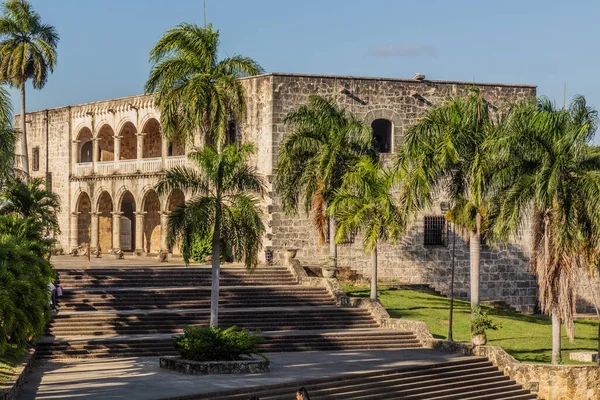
pixel 504 271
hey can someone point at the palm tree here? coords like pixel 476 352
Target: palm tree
pixel 365 203
pixel 442 153
pixel 27 51
pixel 30 199
pixel 195 89
pixel 324 144
pixel 552 175
pixel 224 192
pixel 8 137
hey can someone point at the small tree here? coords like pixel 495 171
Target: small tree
pixel 365 204
pixel 224 201
pixel 325 143
pixel 27 51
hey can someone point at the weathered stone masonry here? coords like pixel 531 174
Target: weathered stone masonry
pixel 114 185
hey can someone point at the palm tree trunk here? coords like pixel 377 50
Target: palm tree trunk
pixel 374 274
pixel 24 154
pixel 556 355
pixel 216 266
pixel 474 254
pixel 332 244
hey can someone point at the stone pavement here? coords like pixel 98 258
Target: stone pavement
pixel 142 378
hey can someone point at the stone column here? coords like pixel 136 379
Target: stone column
pixel 117 152
pixel 139 233
pixel 164 226
pixel 95 154
pixel 116 227
pixel 74 231
pixel 164 151
pixel 140 149
pixel 94 231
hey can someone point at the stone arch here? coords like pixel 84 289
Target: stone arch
pixel 128 135
pixel 152 229
pixel 176 198
pixel 85 145
pixel 127 208
pixel 106 143
pixel 84 220
pixel 152 139
pixel 104 207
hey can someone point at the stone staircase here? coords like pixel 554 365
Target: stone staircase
pixel 117 312
pixel 466 379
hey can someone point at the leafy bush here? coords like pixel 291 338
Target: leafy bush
pixel 482 322
pixel 210 343
pixel 200 248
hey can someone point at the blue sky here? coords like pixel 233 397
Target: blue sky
pixel 103 52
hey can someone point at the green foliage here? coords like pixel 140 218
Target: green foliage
pixel 24 278
pixel 325 143
pixel 200 248
pixel 30 199
pixel 194 89
pixel 481 323
pixel 210 343
pixel 224 192
pixel 8 136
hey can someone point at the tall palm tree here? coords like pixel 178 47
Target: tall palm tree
pixel 224 192
pixel 552 175
pixel 194 90
pixel 442 153
pixel 30 199
pixel 324 144
pixel 27 51
pixel 8 137
pixel 365 203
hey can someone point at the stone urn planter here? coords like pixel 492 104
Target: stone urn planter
pixel 328 272
pixel 479 340
pixel 290 254
pixel 248 366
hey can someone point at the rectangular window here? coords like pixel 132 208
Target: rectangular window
pixel 35 163
pixel 435 231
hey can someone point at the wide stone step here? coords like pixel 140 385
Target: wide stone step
pixel 468 379
pixel 121 346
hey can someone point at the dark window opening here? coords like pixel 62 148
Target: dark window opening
pixel 86 152
pixel 382 133
pixel 35 164
pixel 232 132
pixel 435 231
pixel 170 150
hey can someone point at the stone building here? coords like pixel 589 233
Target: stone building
pixel 104 158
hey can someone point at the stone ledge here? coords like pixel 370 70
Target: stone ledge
pixel 178 364
pixel 9 390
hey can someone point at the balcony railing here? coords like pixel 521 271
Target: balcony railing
pixel 84 169
pixel 175 161
pixel 144 165
pixel 105 167
pixel 127 166
pixel 151 164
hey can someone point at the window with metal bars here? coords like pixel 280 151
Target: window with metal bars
pixel 435 231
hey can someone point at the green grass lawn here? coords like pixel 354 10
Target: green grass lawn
pixel 527 338
pixel 8 362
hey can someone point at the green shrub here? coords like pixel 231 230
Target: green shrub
pixel 200 248
pixel 210 343
pixel 482 322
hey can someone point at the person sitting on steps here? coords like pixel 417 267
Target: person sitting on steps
pixel 302 394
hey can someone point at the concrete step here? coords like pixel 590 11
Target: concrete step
pixel 123 346
pixel 472 378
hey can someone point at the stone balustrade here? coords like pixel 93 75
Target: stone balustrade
pixel 143 165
